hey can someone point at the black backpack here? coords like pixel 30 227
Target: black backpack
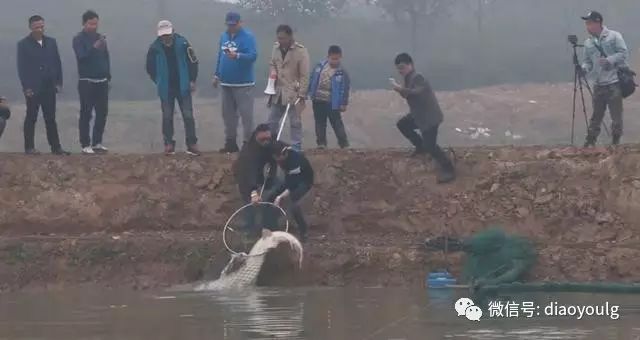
pixel 626 76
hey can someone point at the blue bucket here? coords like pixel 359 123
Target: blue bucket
pixel 440 280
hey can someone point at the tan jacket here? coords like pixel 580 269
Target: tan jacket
pixel 293 73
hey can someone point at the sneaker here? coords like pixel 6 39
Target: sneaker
pixel 169 149
pixel 193 150
pixel 60 152
pixel 87 150
pixel 100 148
pixel 616 140
pixel 32 152
pixel 230 146
pixel 322 147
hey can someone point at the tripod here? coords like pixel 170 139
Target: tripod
pixel 578 80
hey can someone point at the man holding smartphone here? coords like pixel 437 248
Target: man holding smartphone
pixel 235 73
pixel 94 73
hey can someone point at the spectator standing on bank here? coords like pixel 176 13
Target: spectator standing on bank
pixel 290 65
pixel 237 53
pixel 40 72
pixel 173 67
pixel 329 88
pixel 94 73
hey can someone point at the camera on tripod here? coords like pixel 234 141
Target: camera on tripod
pixel 573 39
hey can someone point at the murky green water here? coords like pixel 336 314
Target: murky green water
pixel 374 313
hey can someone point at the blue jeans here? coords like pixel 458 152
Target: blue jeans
pixel 186 107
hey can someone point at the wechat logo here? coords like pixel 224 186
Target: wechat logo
pixel 466 307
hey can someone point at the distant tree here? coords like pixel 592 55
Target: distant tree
pixel 415 11
pixel 278 8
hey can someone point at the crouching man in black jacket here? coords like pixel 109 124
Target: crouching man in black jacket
pixel 299 178
pixel 249 170
pixel 5 114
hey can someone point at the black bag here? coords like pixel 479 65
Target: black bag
pixel 626 76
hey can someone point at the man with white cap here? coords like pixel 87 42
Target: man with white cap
pixel 173 67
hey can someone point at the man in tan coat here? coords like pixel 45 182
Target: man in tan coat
pixel 290 64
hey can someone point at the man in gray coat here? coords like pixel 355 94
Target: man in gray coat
pixel 425 115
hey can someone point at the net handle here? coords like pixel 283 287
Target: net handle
pixel 226 225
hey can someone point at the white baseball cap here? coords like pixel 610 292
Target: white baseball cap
pixel 165 27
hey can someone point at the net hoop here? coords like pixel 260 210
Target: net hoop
pixel 227 227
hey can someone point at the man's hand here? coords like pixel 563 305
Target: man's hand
pixel 233 55
pixel 28 93
pixel 278 201
pixel 99 43
pixel 216 82
pixel 343 108
pixel 192 86
pixel 301 105
pixel 58 88
pixel 603 62
pixel 255 198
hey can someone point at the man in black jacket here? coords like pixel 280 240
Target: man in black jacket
pixel 425 115
pixel 94 73
pixel 249 170
pixel 298 181
pixel 40 72
pixel 5 114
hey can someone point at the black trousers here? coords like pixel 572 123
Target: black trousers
pixel 93 96
pixel 45 99
pixel 425 143
pixel 3 123
pixel 321 112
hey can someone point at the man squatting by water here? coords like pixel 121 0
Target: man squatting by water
pixel 605 53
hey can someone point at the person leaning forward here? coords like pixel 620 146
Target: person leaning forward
pixel 290 64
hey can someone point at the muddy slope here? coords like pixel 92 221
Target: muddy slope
pixel 146 221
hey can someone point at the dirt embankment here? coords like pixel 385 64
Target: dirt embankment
pixel 146 221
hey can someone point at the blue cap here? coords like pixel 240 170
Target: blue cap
pixel 232 18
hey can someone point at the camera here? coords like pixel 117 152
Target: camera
pixel 573 39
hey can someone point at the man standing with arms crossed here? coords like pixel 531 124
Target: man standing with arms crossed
pixel 605 53
pixel 235 73
pixel 94 73
pixel 40 71
pixel 290 64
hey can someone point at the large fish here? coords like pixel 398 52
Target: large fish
pixel 243 269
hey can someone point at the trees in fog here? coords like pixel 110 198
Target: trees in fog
pixel 278 8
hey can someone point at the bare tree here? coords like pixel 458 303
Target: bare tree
pixel 294 7
pixel 415 10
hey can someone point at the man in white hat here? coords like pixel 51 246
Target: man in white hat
pixel 173 67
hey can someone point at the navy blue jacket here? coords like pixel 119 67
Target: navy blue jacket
pixel 298 175
pixel 92 63
pixel 39 66
pixel 340 85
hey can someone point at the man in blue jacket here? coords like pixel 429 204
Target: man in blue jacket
pixel 329 88
pixel 235 73
pixel 173 67
pixel 94 73
pixel 40 72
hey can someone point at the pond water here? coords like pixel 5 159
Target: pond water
pixel 306 313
